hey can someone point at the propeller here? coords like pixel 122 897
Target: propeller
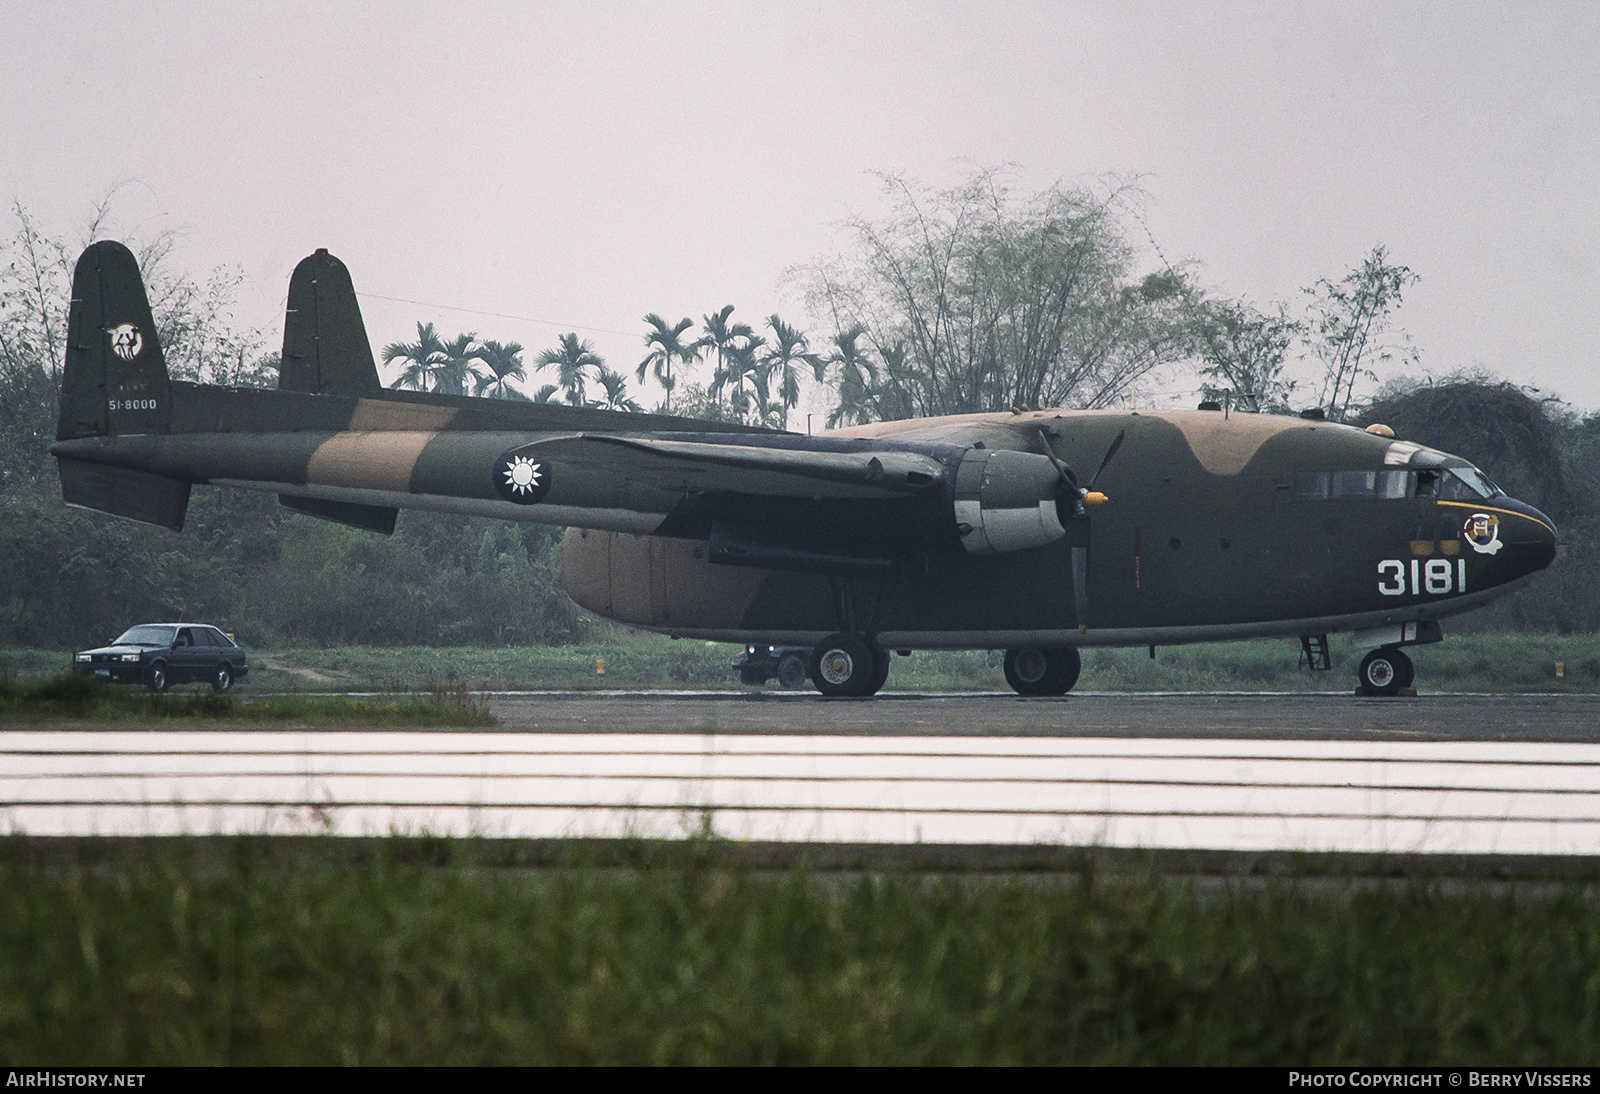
pixel 1073 503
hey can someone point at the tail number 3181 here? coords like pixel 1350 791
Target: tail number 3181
pixel 1436 577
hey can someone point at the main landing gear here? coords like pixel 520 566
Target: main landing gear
pixel 1035 671
pixel 845 664
pixel 1385 671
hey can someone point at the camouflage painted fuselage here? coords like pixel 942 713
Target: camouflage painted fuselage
pixel 1204 537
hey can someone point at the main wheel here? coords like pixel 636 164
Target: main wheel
pixel 792 670
pixel 843 665
pixel 223 678
pixel 880 669
pixel 1035 671
pixel 1381 671
pixel 155 677
pixel 1032 671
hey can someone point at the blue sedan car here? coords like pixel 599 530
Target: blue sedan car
pixel 159 655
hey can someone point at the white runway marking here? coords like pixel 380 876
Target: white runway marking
pixel 1230 794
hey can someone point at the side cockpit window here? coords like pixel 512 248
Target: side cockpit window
pixel 1322 485
pixel 1312 485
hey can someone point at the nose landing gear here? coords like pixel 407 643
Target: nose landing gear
pixel 1385 671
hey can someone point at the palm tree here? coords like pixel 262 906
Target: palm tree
pixel 452 375
pixel 666 344
pixel 743 376
pixel 422 358
pixel 616 389
pixel 856 378
pixel 546 394
pixel 724 338
pixel 571 358
pixel 504 362
pixel 781 364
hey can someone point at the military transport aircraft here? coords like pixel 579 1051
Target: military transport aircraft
pixel 980 531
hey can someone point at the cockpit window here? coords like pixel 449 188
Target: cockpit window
pixel 1466 484
pixel 1311 485
pixel 1322 485
pixel 1353 484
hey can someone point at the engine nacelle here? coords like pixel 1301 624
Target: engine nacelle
pixel 1006 501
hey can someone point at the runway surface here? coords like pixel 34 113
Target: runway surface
pixel 1229 773
pixel 1573 718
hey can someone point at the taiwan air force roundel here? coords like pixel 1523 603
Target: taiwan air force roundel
pixel 521 478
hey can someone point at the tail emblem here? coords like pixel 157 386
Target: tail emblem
pixel 126 341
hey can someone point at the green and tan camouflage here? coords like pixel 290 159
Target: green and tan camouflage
pixel 974 531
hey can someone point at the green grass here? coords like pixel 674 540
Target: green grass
pixel 73 698
pixel 1503 663
pixel 245 954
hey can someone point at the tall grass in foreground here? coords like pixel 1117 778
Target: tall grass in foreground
pixel 148 957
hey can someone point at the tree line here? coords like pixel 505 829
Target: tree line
pixel 966 299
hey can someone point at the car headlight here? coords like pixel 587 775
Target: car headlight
pixel 130 657
pixel 84 657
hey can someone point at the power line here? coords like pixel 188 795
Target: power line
pixel 502 315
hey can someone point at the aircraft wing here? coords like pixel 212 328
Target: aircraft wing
pixel 792 470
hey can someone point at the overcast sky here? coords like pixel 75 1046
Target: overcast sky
pixel 580 165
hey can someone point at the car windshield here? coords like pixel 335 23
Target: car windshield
pixel 146 635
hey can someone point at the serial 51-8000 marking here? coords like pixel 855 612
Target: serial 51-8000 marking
pixel 1436 576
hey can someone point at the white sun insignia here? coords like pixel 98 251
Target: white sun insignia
pixel 524 475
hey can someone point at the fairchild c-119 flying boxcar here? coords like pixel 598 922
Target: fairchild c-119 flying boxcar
pixel 979 531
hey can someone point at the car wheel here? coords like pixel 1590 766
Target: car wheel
pixel 155 677
pixel 223 678
pixel 1380 672
pixel 792 670
pixel 843 665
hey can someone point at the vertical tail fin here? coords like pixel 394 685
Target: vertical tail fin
pixel 115 382
pixel 115 378
pixel 325 347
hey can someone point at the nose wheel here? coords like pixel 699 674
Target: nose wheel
pixel 1385 671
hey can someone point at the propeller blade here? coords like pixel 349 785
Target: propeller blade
pixel 1050 454
pixel 1078 536
pixel 1110 452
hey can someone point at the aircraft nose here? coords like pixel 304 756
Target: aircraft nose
pixel 1530 534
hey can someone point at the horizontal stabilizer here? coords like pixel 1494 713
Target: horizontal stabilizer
pixel 372 518
pixel 122 492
